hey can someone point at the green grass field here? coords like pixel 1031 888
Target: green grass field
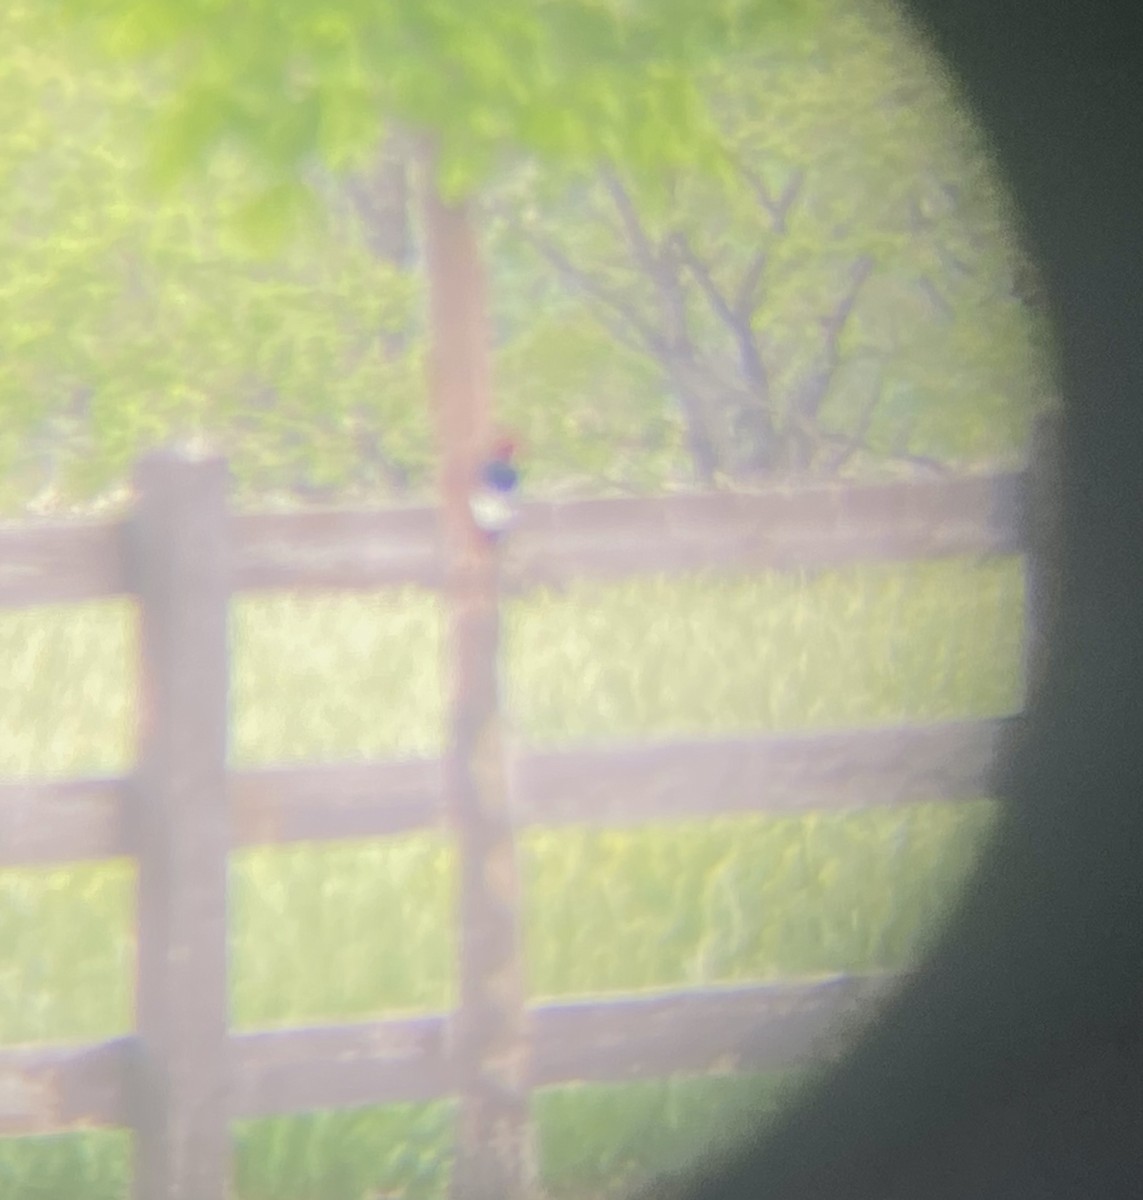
pixel 344 931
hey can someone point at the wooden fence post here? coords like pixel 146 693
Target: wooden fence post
pixel 1044 543
pixel 495 1157
pixel 180 572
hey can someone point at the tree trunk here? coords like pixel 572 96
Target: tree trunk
pixel 494 1150
pixel 382 201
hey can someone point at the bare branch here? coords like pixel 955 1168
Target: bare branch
pixel 646 254
pixel 856 441
pixel 675 355
pixel 951 264
pixel 850 446
pixel 936 298
pixel 757 186
pixel 779 207
pixel 623 317
pixel 657 263
pixel 834 324
pixel 786 200
pixel 750 360
pixel 705 280
pixel 815 389
pixel 746 299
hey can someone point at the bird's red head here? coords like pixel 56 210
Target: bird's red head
pixel 504 447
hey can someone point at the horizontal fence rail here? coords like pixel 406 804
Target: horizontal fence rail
pixel 404 1060
pixel 74 820
pixel 555 543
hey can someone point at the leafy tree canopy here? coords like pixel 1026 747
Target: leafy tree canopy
pixel 842 280
pixel 572 81
pixel 840 296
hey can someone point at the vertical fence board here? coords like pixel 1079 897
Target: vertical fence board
pixel 180 571
pixel 495 1154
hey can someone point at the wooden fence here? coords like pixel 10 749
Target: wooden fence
pixel 181 1077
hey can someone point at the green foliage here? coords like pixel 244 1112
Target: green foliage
pixel 570 80
pixel 591 413
pixel 252 307
pixel 849 149
pixel 126 322
pixel 844 648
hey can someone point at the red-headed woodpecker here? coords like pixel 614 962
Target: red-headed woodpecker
pixel 494 500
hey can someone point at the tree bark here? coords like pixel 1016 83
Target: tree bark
pixel 494 1147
